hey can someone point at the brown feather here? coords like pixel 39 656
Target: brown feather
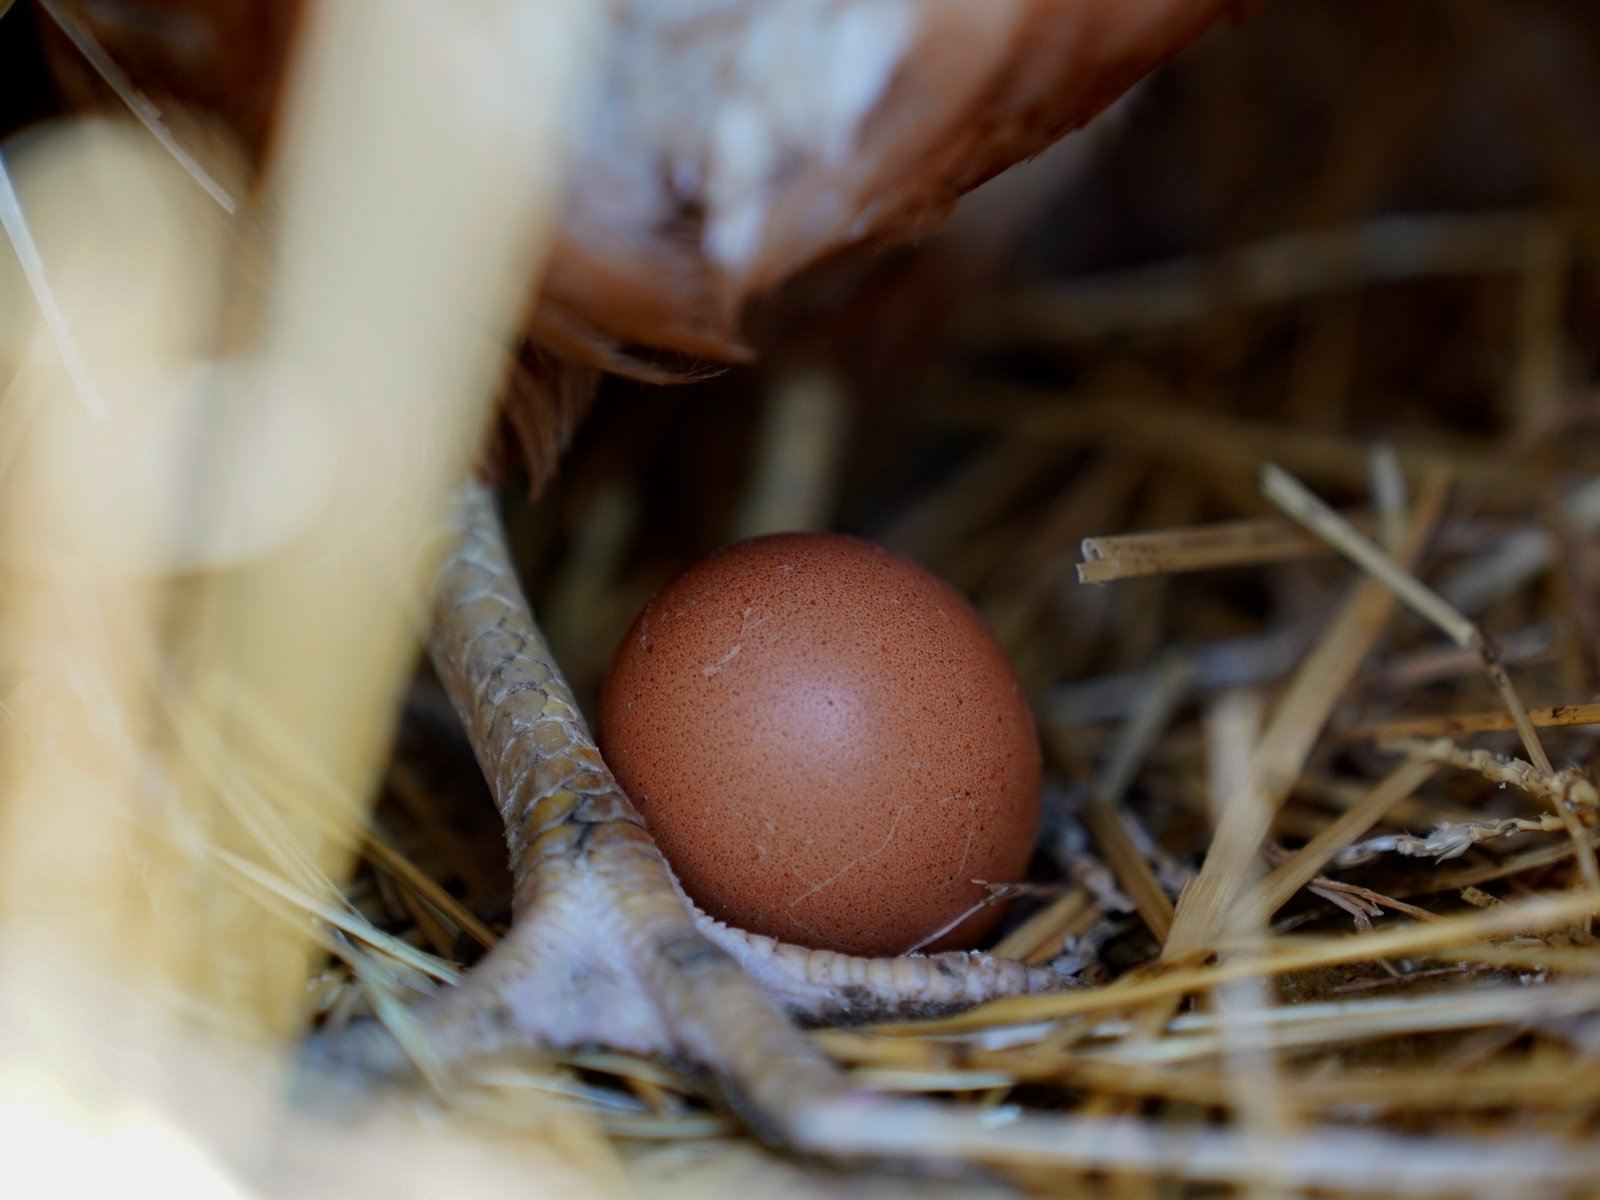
pixel 735 142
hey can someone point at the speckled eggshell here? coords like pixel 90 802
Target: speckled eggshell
pixel 827 743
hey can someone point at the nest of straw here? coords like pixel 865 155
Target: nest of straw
pixel 1266 450
pixel 1268 462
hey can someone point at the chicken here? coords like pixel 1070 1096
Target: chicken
pixel 733 143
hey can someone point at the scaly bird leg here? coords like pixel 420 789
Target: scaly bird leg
pixel 604 948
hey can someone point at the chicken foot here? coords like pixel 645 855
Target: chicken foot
pixel 605 949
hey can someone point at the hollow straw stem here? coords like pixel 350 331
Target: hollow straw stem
pixel 1299 502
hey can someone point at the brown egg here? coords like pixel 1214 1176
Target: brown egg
pixel 827 743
